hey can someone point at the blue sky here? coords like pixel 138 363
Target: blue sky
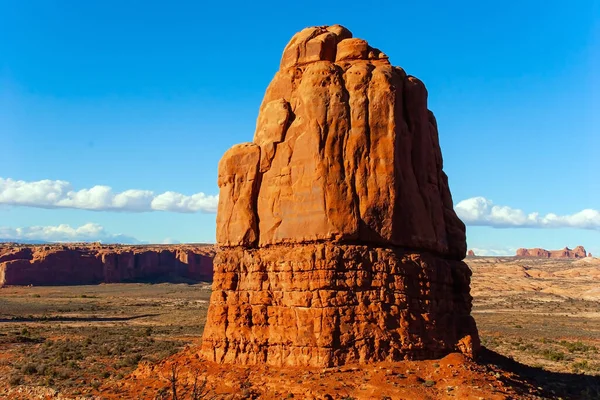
pixel 144 98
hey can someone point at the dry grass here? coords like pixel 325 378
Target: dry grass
pixel 542 313
pixel 72 339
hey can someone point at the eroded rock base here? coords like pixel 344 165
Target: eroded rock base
pixel 329 305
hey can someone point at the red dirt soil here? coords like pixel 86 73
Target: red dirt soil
pixel 454 376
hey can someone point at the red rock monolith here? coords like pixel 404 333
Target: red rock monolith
pixel 337 237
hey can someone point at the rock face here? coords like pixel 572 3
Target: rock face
pixel 337 237
pixel 471 253
pixel 577 252
pixel 90 264
pixel 345 149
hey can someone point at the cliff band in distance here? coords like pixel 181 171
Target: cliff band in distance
pixel 337 237
pixel 577 252
pixel 81 264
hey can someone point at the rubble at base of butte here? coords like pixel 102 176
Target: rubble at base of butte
pixel 338 242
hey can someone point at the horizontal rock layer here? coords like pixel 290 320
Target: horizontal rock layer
pixel 89 264
pixel 327 305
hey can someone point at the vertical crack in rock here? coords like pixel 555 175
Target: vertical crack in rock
pixel 337 238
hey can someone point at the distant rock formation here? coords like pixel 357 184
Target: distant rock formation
pixel 471 253
pixel 577 252
pixel 338 241
pixel 90 264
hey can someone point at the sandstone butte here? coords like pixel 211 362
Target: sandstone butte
pixel 471 253
pixel 89 264
pixel 577 252
pixel 337 238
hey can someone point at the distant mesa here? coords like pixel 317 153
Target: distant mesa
pixel 577 252
pixel 590 255
pixel 79 264
pixel 471 253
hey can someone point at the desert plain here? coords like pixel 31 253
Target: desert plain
pixel 538 320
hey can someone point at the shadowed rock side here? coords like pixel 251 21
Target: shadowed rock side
pixel 91 264
pixel 577 252
pixel 337 234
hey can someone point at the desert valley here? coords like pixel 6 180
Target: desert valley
pixel 537 318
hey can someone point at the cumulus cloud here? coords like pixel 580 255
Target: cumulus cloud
pixel 60 194
pixel 89 232
pixel 480 211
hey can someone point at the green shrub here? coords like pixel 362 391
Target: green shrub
pixel 15 380
pixel 29 369
pixel 577 347
pixel 553 355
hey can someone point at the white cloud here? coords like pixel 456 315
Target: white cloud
pixel 177 202
pixel 60 194
pixel 494 252
pixel 89 232
pixel 481 211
